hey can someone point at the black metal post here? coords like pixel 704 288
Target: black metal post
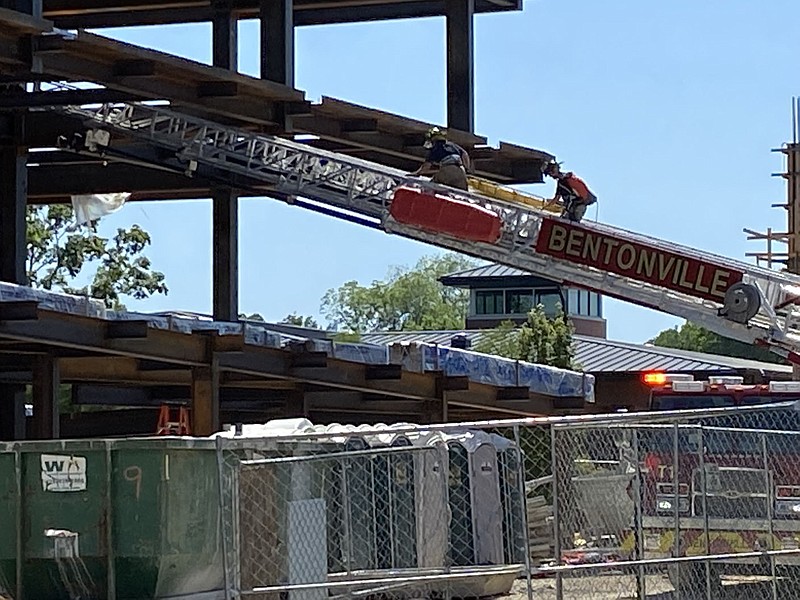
pixel 277 41
pixel 225 37
pixel 460 64
pixel 226 254
pixel 13 199
pixel 12 412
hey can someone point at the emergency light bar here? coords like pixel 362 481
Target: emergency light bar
pixel 789 387
pixel 726 380
pixel 688 386
pixel 658 378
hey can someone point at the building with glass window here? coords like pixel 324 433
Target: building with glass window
pixel 498 293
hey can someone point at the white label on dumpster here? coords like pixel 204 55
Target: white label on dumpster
pixel 63 473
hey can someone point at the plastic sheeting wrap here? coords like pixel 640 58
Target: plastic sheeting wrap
pixel 74 305
pixel 368 354
pixel 417 357
pixel 493 370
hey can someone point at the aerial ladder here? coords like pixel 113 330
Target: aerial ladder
pixel 732 298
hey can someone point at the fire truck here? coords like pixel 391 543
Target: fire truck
pixel 735 476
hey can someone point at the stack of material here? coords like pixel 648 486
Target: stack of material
pixel 541 540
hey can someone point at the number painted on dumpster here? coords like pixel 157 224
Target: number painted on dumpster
pixel 134 475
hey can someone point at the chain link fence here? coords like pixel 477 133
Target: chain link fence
pixel 357 513
pixel 669 506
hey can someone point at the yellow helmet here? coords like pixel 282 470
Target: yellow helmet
pixel 434 133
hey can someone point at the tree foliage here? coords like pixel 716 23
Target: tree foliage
pixel 58 252
pixel 693 337
pixel 253 317
pixel 540 340
pixel 409 299
pixel 300 321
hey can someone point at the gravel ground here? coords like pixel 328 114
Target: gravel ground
pixel 623 587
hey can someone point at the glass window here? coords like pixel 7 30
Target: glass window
pixel 489 302
pixel 595 308
pixel 519 302
pixel 572 301
pixel 551 300
pixel 584 295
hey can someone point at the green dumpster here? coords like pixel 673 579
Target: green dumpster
pixel 127 519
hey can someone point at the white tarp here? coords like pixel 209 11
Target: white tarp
pixel 90 207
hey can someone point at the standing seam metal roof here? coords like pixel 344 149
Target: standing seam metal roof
pixel 598 355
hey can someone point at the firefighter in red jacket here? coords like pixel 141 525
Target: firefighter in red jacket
pixel 571 192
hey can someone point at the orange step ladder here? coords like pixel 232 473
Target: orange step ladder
pixel 166 426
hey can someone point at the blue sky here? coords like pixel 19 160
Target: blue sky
pixel 668 110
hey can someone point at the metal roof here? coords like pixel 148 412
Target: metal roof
pixel 598 355
pixel 495 275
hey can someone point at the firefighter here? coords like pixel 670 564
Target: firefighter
pixel 447 162
pixel 571 191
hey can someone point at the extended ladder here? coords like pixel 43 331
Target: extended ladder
pixel 732 298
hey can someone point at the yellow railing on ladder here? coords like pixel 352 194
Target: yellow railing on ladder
pixel 507 194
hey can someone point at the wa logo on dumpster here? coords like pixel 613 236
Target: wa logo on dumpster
pixel 63 473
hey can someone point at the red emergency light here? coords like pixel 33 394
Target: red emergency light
pixel 654 379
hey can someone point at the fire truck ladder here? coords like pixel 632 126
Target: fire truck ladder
pixel 760 308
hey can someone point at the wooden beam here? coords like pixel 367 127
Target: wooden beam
pixel 135 67
pixel 19 310
pixel 46 383
pixel 205 401
pixel 125 329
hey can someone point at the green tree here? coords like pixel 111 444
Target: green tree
pixel 253 317
pixel 693 337
pixel 58 252
pixel 540 340
pixel 409 299
pixel 300 321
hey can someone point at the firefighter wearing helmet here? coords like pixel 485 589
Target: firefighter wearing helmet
pixel 446 162
pixel 571 192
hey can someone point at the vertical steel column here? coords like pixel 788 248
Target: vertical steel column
pixel 12 412
pixel 226 254
pixel 277 41
pixel 13 199
pixel 46 421
pixel 460 64
pixel 29 7
pixel 225 36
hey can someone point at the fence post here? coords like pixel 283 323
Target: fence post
pixel 704 478
pixel 111 581
pixel 348 545
pixel 556 512
pixel 641 591
pixel 676 543
pixel 524 504
pixel 222 516
pixel 20 592
pixel 770 516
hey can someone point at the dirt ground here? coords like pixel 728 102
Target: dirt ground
pixel 623 587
